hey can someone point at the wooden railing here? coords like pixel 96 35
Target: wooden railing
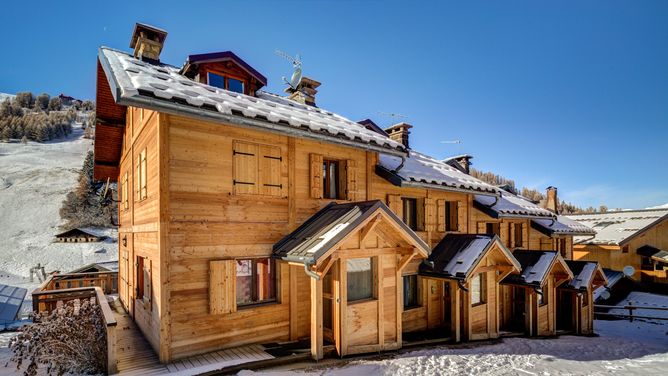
pixel 630 308
pixel 47 300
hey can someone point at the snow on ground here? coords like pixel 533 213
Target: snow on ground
pixel 622 348
pixel 644 299
pixel 34 180
pixel 4 96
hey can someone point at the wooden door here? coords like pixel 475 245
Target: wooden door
pixel 518 310
pixel 447 308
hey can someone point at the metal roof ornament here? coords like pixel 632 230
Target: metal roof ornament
pixel 296 78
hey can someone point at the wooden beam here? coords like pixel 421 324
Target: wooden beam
pixel 369 228
pixel 406 259
pixel 325 268
pixel 504 274
pixel 316 318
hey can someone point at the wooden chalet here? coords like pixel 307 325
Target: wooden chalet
pixel 77 235
pixel 576 312
pixel 247 217
pixel 637 238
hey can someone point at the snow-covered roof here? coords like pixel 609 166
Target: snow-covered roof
pixel 562 225
pixel 420 169
pixel 160 86
pixel 510 205
pixel 618 227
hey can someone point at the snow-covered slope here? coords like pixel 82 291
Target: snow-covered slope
pixel 664 206
pixel 4 96
pixel 34 180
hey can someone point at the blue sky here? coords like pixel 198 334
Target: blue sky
pixel 566 93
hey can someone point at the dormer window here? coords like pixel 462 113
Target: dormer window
pixel 227 83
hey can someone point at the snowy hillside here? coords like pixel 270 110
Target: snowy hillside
pixel 664 206
pixel 4 96
pixel 34 180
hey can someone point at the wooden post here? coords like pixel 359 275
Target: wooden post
pixel 316 319
pixel 293 301
pixel 455 323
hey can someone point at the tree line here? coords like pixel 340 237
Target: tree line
pixel 38 118
pixel 532 194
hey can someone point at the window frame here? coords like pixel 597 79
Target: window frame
pixel 482 287
pixel 226 81
pixel 144 284
pixel 494 226
pixel 518 235
pixel 373 283
pixel 254 285
pixel 418 290
pixel 327 164
pixel 451 216
pixel 414 216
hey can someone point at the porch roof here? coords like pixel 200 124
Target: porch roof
pixel 584 273
pixel 457 255
pixel 329 226
pixel 536 266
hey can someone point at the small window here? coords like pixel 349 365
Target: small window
pixel 360 272
pixel 519 241
pixel 256 281
pixel 216 80
pixel 477 289
pixel 330 179
pixel 542 298
pixel 235 85
pixel 625 249
pixel 410 212
pixel 451 216
pixel 143 275
pixel 493 228
pixel 411 292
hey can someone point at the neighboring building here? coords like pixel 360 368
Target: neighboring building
pixel 247 217
pixel 637 238
pixel 77 235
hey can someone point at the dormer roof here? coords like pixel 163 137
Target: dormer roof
pixel 221 57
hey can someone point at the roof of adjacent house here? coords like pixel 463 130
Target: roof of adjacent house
pixel 584 273
pixel 329 225
pixel 562 225
pixel 161 87
pixel 11 299
pixel 456 255
pixel 536 266
pixel 617 228
pixel 424 171
pixel 103 266
pixel 510 205
pixel 76 232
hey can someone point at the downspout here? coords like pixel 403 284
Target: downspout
pixel 309 272
pixel 401 165
pixel 460 283
pixel 496 201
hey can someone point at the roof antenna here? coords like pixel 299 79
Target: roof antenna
pixel 394 116
pixel 451 142
pixel 296 78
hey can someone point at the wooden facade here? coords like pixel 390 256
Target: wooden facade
pixel 203 203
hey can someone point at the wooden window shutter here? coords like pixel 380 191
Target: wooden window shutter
pixel 316 176
pixel 270 162
pixel 421 214
pixel 482 227
pixel 222 286
pixel 525 236
pixel 138 178
pixel 245 166
pixel 506 234
pixel 394 203
pixel 351 180
pixel 440 215
pixel 148 294
pixel 461 217
pixel 429 214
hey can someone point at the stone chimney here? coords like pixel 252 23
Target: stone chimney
pixel 305 93
pixel 399 132
pixel 147 42
pixel 552 202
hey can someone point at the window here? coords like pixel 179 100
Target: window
pixel 143 278
pixel 360 272
pixel 124 192
pixel 451 216
pixel 561 247
pixel 625 249
pixel 141 176
pixel 411 292
pixel 257 169
pixel 410 212
pixel 542 298
pixel 330 179
pixel 492 228
pixel 256 281
pixel 517 228
pixel 477 289
pixel 227 83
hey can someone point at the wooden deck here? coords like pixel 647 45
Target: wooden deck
pixel 136 357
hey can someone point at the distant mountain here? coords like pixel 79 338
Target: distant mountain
pixel 664 206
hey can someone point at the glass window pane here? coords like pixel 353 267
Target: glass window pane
pixel 235 85
pixel 360 279
pixel 244 282
pixel 333 180
pixel 476 289
pixel 216 80
pixel 266 289
pixel 411 291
